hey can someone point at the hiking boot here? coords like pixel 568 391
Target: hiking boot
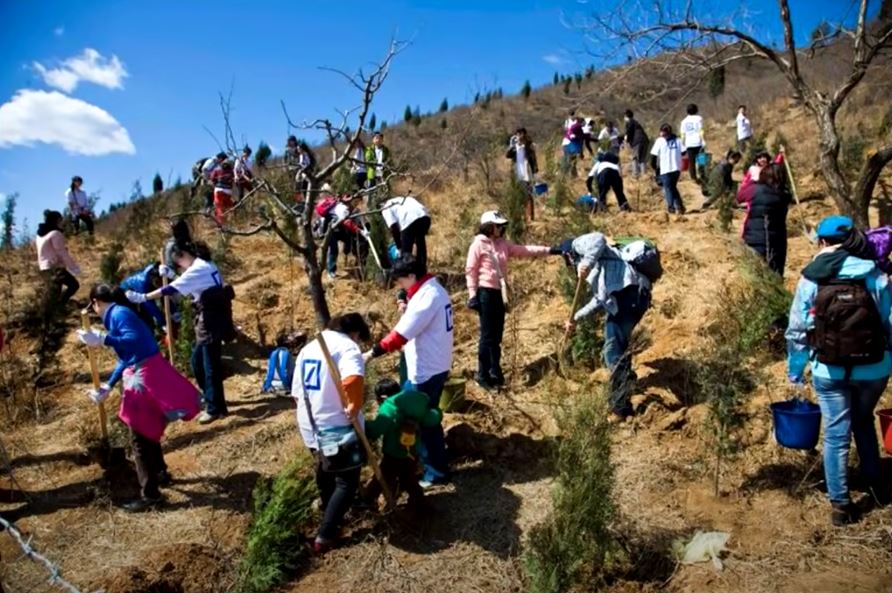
pixel 140 505
pixel 206 418
pixel 484 382
pixel 624 207
pixel 496 380
pixel 843 514
pixel 164 478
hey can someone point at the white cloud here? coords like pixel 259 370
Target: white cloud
pixel 554 59
pixel 59 31
pixel 50 117
pixel 89 66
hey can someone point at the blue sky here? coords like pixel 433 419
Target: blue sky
pixel 115 91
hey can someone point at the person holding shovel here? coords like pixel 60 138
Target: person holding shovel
pixel 212 300
pixel 425 335
pixel 486 276
pixel 326 422
pixel 154 392
pixel 624 294
pixel 409 222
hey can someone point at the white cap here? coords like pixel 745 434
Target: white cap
pixel 326 188
pixel 493 216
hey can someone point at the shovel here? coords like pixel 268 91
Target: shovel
pixel 94 372
pixel 167 323
pixel 373 459
pixel 562 345
pixel 794 192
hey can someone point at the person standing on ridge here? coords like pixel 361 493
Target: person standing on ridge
pixel 244 173
pixel 79 205
pixel 691 130
pixel 377 157
pixel 744 129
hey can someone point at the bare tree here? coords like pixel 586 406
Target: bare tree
pixel 681 40
pixel 294 225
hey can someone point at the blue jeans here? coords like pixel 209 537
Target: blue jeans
pixel 433 440
pixel 207 366
pixel 632 304
pixel 847 409
pixel 670 192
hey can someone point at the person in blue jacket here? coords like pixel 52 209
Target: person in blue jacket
pixel 841 314
pixel 147 280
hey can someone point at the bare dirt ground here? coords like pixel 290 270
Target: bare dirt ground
pixel 770 501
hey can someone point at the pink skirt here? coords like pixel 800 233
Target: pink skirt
pixel 155 394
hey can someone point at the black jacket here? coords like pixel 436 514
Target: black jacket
pixel 766 222
pixel 635 134
pixel 530 154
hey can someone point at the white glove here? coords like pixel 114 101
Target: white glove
pixel 166 272
pixel 367 356
pixel 364 233
pixel 91 337
pixel 135 297
pixel 99 395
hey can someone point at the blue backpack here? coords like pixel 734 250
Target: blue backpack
pixel 279 371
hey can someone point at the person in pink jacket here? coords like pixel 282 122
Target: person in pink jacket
pixel 747 187
pixel 55 263
pixel 486 275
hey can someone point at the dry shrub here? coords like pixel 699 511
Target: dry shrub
pixel 573 548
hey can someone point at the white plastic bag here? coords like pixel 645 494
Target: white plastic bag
pixel 703 546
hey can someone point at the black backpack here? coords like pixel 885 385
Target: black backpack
pixel 848 328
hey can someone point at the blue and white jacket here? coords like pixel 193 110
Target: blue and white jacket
pixel 130 337
pixel 802 320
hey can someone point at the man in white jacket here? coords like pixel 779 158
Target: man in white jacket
pixel 744 129
pixel 691 131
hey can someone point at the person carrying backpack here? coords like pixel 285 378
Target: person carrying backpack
pixel 620 280
pixel 402 413
pixel 212 300
pixel 409 222
pixel 607 174
pixel 840 323
pixel 154 393
pixel 201 176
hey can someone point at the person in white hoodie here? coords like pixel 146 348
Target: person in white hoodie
pixel 691 130
pixel 409 222
pixel 744 129
pixel 79 205
pixel 606 173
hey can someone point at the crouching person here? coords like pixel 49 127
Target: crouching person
pixel 840 322
pixel 154 392
pixel 624 293
pixel 401 415
pixel 325 421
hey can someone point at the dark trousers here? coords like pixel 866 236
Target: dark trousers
pixel 433 440
pixel 632 304
pixel 492 328
pixel 207 366
pixel 610 179
pixel 693 151
pixel 61 286
pixel 337 490
pixel 149 461
pixel 209 196
pixel 671 193
pixel 87 220
pixel 360 179
pixel 414 236
pixel 401 475
pixel 774 254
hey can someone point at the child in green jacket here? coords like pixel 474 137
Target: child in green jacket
pixel 401 415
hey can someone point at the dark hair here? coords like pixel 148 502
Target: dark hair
pixel 732 154
pixel 487 229
pixel 666 128
pixel 379 134
pixel 405 265
pixel 350 323
pixel 221 155
pixel 106 293
pixel 741 106
pixel 51 220
pixel 611 123
pixel 773 175
pixel 521 131
pixel 291 139
pixel 629 114
pixel 692 109
pixel 179 230
pixel 247 150
pixel 385 388
pixel 76 179
pixel 194 248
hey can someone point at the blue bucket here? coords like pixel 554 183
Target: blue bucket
pixel 393 253
pixel 797 423
pixel 586 202
pixel 540 188
pixel 704 158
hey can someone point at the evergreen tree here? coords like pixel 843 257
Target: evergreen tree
pixel 407 114
pixel 476 98
pixel 8 219
pixel 526 90
pixel 372 122
pixel 444 105
pixel 157 184
pixel 556 79
pixel 383 125
pixel 416 117
pixel 262 155
pixel 567 86
pixel 578 78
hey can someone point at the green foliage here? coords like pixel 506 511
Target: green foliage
pixel 416 117
pixel 526 89
pixel 8 219
pixel 578 78
pixel 556 79
pixel 383 125
pixel 157 184
pixel 110 264
pixel 717 82
pixel 407 114
pixel 444 105
pixel 587 341
pixel 574 548
pixel 274 550
pixel 567 83
pixel 182 345
pixel 512 203
pixel 373 122
pixel 759 143
pixel 262 155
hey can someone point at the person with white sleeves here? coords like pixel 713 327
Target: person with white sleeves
pixel 409 222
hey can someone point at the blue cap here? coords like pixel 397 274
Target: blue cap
pixel 835 227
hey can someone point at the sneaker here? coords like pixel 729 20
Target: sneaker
pixel 331 275
pixel 496 380
pixel 625 207
pixel 483 382
pixel 206 418
pixel 843 514
pixel 141 505
pixel 614 418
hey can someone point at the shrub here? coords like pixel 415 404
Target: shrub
pixel 512 203
pixel 444 105
pixel 526 89
pixel 567 83
pixel 262 155
pixel 443 124
pixel 274 551
pixel 587 341
pixel 556 79
pixel 110 264
pixel 407 114
pixel 182 346
pixel 717 82
pixel 573 548
pixel 157 184
pixel 8 220
pixel 372 122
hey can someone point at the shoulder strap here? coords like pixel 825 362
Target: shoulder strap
pixel 303 390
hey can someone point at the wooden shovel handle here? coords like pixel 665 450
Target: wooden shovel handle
pixel 94 372
pixel 167 315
